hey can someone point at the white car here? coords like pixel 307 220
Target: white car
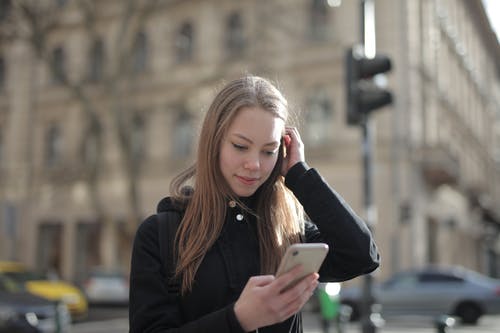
pixel 107 287
pixel 432 291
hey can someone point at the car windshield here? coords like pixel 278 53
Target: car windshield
pixel 401 280
pixel 9 285
pixel 25 276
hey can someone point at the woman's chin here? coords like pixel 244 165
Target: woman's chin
pixel 244 193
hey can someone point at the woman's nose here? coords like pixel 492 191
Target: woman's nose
pixel 252 163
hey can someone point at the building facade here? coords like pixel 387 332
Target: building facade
pixel 148 80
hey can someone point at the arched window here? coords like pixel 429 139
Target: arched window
pixel 96 65
pixel 53 146
pixel 318 119
pixel 184 42
pixel 319 19
pixel 58 65
pixel 182 134
pixel 140 53
pixel 235 39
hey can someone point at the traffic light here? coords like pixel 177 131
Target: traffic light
pixel 363 94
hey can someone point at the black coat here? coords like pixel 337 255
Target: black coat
pixel 234 258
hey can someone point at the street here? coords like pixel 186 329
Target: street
pixel 487 324
pixel 109 319
pixel 114 320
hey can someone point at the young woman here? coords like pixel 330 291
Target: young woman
pixel 248 191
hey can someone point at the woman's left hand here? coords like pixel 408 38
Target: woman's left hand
pixel 294 149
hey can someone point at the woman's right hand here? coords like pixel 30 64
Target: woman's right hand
pixel 263 301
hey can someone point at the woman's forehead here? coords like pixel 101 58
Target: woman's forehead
pixel 257 122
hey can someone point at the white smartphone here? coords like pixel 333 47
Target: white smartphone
pixel 309 255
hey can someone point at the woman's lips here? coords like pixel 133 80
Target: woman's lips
pixel 246 180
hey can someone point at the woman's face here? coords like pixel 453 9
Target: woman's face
pixel 250 150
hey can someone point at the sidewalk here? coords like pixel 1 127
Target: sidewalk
pixel 312 324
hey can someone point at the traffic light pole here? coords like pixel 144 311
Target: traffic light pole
pixel 368 40
pixel 363 96
pixel 367 324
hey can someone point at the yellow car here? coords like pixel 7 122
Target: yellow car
pixel 40 285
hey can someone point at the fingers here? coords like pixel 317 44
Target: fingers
pixel 290 130
pixel 302 287
pixel 285 279
pixel 252 301
pixel 293 134
pixel 292 286
pixel 263 303
pixel 296 304
pixel 294 148
pixel 261 280
pixel 294 298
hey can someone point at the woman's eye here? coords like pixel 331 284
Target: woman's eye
pixel 239 147
pixel 270 152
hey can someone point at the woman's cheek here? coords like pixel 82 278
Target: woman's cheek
pixel 270 166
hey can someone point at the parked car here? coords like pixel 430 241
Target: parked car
pixel 23 312
pixel 109 287
pixel 52 289
pixel 432 291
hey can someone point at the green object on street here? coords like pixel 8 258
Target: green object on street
pixel 329 305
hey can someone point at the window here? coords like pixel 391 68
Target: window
pixel 5 7
pixel 90 150
pixel 319 19
pixel 439 278
pixel 58 65
pixel 96 65
pixel 2 74
pixel 61 3
pixel 138 137
pixel 53 146
pixel 182 134
pixel 401 280
pixel 318 119
pixel 140 53
pixel 2 153
pixel 184 43
pixel 235 40
pixel 49 246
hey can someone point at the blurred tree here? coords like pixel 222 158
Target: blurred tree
pixel 34 21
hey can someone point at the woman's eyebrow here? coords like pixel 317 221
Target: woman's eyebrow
pixel 241 136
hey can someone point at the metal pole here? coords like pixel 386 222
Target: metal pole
pixel 368 40
pixel 367 324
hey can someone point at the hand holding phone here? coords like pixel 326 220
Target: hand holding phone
pixel 309 255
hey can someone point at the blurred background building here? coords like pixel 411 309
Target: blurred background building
pixel 100 102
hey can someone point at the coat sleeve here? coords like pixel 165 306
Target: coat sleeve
pixel 353 251
pixel 151 307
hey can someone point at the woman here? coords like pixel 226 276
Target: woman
pixel 250 189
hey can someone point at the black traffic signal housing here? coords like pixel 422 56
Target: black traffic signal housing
pixel 363 94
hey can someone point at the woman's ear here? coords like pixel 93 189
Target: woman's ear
pixel 285 142
pixel 282 148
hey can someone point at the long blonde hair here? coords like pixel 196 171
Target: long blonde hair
pixel 279 215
